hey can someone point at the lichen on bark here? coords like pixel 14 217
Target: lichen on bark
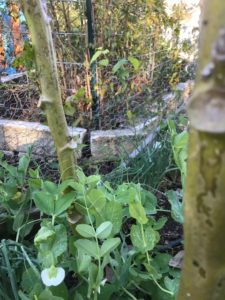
pixel 203 274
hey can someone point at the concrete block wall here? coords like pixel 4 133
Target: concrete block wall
pixel 19 135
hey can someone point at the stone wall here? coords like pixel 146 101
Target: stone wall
pixel 19 135
pixel 105 145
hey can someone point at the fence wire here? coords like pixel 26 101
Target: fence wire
pixel 138 65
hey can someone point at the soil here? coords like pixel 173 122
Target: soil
pixel 172 233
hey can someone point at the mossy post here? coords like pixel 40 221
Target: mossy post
pixel 50 101
pixel 203 274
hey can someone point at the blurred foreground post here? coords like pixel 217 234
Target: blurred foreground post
pixel 203 276
pixel 39 25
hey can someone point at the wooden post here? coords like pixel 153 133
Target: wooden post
pixel 50 101
pixel 203 274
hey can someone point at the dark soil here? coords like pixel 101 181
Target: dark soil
pixel 172 233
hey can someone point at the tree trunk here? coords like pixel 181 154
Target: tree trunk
pixel 203 275
pixel 50 101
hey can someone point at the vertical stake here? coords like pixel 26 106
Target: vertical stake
pixel 93 66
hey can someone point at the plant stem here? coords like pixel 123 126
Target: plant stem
pixel 129 294
pixel 30 262
pixel 96 240
pixel 10 272
pixel 148 261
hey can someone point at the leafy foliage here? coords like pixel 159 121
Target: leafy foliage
pixel 99 244
pixel 113 249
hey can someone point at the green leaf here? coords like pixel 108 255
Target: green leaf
pixel 114 213
pixel 104 230
pixel 60 242
pixel 135 62
pixel 119 64
pixel 92 279
pixel 137 212
pixel 176 206
pixel 149 201
pixel 93 179
pixel 24 164
pixel 44 202
pixel 60 291
pixel 81 176
pixel 18 220
pixel 159 224
pixel 88 247
pixel 85 230
pixel 64 202
pixel 83 262
pixel 23 296
pixel 10 169
pixel 104 62
pixel 161 262
pixel 28 279
pixel 80 93
pixel 47 295
pixel 181 140
pixel 69 107
pixel 143 241
pixel 72 184
pixel 78 297
pixel 96 199
pixel 153 272
pixel 44 235
pixel 172 284
pixel 125 193
pixel 51 242
pixel 97 54
pixel 50 187
pixel 109 245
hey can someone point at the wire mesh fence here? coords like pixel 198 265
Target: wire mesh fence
pixel 118 62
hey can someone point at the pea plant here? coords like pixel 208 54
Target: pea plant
pixel 16 186
pixel 111 252
pixel 179 142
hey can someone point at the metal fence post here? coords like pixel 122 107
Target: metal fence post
pixel 93 66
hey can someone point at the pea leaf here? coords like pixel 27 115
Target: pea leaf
pixel 143 241
pixel 47 295
pixel 96 200
pixel 83 262
pixel 172 284
pixel 160 223
pixel 44 202
pixel 88 247
pixel 114 213
pixel 85 230
pixel 104 230
pixel 50 187
pixel 137 212
pixel 51 242
pixel 64 202
pixel 109 245
pixel 176 206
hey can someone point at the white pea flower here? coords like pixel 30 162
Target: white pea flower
pixel 52 276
